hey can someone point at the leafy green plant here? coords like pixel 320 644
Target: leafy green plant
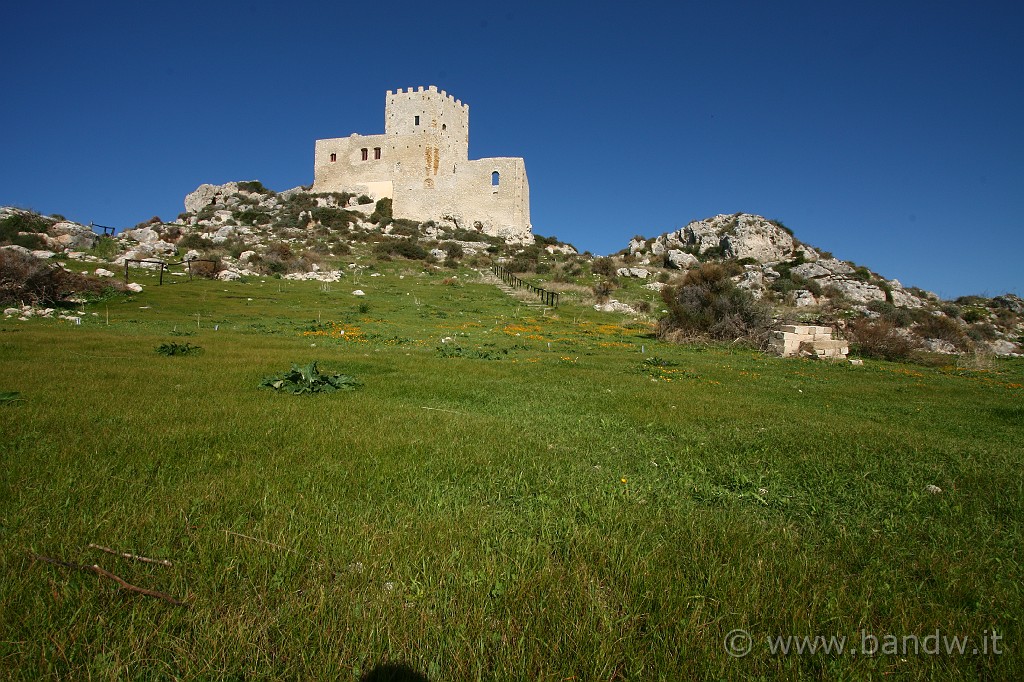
pixel 10 397
pixel 309 379
pixel 171 348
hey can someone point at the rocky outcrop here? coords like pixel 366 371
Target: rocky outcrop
pixel 208 195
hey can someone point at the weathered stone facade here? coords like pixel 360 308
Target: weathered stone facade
pixel 422 163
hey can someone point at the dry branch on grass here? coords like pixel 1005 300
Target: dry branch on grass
pixel 102 572
pixel 135 557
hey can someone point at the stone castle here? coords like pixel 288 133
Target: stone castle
pixel 422 163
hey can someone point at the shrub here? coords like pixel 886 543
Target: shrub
pixel 26 278
pixel 603 289
pixel 399 247
pixel 944 328
pixel 878 339
pixel 334 218
pixel 603 266
pixel 254 186
pixel 252 216
pixel 195 241
pixel 105 248
pixel 204 269
pixel 520 264
pixel 950 310
pixel 362 200
pixel 23 222
pixel 707 303
pixel 453 250
pixel 382 212
pixel 972 315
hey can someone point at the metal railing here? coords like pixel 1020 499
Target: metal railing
pixel 548 297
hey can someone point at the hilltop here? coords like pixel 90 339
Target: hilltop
pixel 248 230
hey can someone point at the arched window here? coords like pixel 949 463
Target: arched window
pixel 334 157
pixel 376 152
pixel 495 178
pixel 366 153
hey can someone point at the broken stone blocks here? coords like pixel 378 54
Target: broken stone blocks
pixel 809 341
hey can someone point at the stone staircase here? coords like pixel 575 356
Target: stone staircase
pixel 525 297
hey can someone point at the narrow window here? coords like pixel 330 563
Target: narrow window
pixel 495 179
pixel 366 153
pixel 334 157
pixel 376 152
pixel 417 120
pixel 444 126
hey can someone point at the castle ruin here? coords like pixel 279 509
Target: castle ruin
pixel 422 163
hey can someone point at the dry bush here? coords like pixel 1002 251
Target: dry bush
pixel 30 280
pixel 708 304
pixel 204 269
pixel 945 328
pixel 879 339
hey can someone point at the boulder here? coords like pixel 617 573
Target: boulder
pixel 206 195
pixel 803 298
pixel 1003 347
pixel 857 291
pixel 641 273
pixel 682 260
pixel 191 255
pixel 17 249
pixel 613 306
pixel 143 235
pixel 228 275
pixel 67 235
pixel 101 272
pixel 133 287
pixel 439 254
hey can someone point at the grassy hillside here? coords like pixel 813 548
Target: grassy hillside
pixel 551 497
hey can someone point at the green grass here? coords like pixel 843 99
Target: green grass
pixel 521 511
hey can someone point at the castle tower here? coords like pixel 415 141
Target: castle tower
pixel 422 162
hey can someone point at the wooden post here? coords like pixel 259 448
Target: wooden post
pixel 126 271
pixel 163 266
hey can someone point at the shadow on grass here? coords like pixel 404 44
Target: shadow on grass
pixel 393 672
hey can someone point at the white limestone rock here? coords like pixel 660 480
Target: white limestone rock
pixel 1004 347
pixel 857 291
pixel 66 235
pixel 17 249
pixel 682 260
pixel 133 287
pixel 614 306
pixel 641 273
pixel 229 275
pixel 206 195
pixel 803 298
pixel 102 272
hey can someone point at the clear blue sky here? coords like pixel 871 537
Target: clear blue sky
pixel 888 133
